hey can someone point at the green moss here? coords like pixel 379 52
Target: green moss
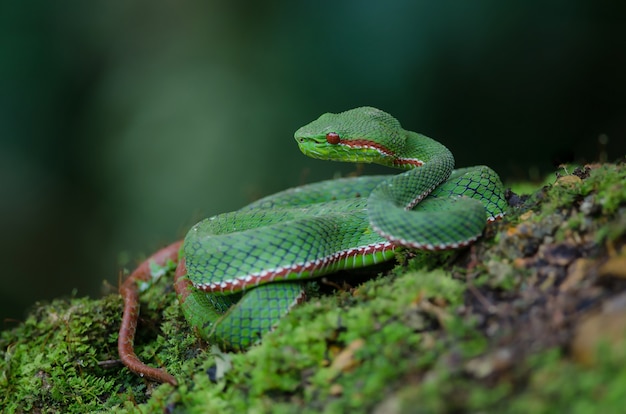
pixel 607 184
pixel 557 385
pixel 51 361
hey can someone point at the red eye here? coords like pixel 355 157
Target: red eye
pixel 333 138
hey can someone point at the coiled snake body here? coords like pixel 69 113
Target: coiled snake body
pixel 240 272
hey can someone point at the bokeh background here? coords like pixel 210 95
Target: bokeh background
pixel 123 123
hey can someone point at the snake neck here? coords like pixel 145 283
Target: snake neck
pixel 417 150
pixel 429 163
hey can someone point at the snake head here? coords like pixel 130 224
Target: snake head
pixel 364 134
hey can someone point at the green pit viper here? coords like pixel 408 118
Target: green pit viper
pixel 238 273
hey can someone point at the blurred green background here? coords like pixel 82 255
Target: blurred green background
pixel 123 123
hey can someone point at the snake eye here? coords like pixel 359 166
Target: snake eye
pixel 333 138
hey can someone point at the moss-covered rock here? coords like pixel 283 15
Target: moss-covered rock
pixel 530 318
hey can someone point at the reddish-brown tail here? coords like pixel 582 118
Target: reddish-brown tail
pixel 128 290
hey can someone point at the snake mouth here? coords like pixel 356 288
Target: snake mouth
pixel 310 148
pixel 357 150
pixel 345 150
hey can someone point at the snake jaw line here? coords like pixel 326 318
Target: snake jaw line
pixel 356 150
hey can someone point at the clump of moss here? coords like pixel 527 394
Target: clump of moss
pixel 51 362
